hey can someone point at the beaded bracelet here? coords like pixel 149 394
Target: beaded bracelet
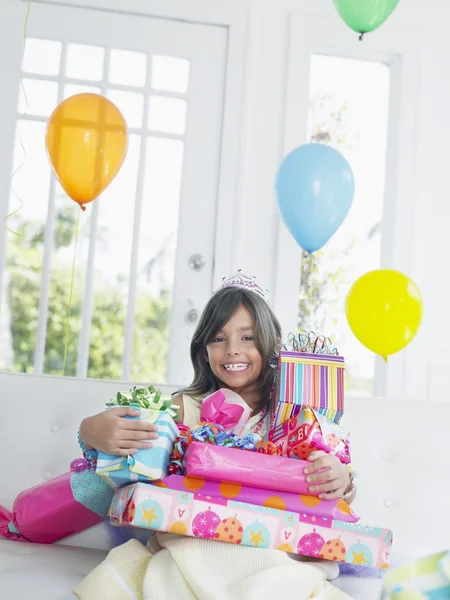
pixel 91 454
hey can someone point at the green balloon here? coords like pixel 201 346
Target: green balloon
pixel 365 15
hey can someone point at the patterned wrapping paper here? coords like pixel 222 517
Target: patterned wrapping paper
pixel 315 380
pixel 305 433
pixel 309 505
pixel 192 514
pixel 444 565
pixel 147 464
pixel 423 579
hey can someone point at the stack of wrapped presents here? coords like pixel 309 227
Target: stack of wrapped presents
pixel 220 482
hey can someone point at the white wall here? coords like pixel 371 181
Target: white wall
pixel 423 370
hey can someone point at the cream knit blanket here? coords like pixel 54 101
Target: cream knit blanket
pixel 186 568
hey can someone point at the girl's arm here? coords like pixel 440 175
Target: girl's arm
pixel 112 434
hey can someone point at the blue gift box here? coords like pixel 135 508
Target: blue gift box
pixel 146 465
pixel 424 579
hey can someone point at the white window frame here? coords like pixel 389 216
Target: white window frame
pixel 401 51
pixel 235 20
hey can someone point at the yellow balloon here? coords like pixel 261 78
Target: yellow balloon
pixel 86 140
pixel 384 310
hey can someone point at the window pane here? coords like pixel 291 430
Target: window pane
pixel 349 102
pixel 72 89
pixel 128 68
pixel 112 265
pixel 170 74
pixel 159 227
pixel 63 253
pixel 38 98
pixel 24 252
pixel 167 114
pixel 85 62
pixel 42 57
pixel 130 104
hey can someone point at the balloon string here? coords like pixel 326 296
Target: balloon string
pixel 310 286
pixel 27 18
pixel 16 210
pixel 72 278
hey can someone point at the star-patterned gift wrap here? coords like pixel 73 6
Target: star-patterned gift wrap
pixel 217 518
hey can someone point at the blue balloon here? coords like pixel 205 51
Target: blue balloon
pixel 315 188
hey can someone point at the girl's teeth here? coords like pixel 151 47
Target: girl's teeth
pixel 240 367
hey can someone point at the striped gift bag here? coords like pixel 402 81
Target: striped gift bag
pixel 303 379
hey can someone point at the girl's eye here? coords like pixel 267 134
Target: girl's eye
pixel 249 338
pixel 217 339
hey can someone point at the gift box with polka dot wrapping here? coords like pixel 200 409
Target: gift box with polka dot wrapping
pixel 187 513
pixel 309 505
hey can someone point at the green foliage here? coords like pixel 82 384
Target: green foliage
pixel 319 293
pixel 322 273
pixel 151 338
pixel 24 262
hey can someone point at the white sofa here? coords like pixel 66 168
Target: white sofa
pixel 400 448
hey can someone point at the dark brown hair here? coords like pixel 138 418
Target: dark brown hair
pixel 220 308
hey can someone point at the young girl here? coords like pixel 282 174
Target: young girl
pixel 234 346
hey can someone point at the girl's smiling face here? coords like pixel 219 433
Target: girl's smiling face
pixel 233 354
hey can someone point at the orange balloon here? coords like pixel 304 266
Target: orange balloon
pixel 87 141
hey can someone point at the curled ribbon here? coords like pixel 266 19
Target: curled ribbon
pixel 145 397
pixel 208 433
pixel 308 341
pixel 270 448
pixel 80 464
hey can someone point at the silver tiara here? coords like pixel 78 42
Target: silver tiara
pixel 243 281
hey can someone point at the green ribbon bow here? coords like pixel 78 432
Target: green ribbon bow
pixel 145 397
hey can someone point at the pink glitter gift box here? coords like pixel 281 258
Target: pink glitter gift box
pixel 258 470
pixel 55 509
pixel 191 514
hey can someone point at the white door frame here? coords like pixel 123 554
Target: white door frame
pixel 200 13
pixel 235 19
pixel 401 51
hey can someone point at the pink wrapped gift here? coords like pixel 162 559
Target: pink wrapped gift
pixel 225 408
pixel 185 513
pixel 307 432
pixel 307 505
pixel 58 508
pixel 258 470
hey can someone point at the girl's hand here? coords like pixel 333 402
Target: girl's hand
pixel 333 481
pixel 110 433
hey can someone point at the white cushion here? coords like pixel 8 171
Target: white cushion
pixel 43 572
pixel 400 448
